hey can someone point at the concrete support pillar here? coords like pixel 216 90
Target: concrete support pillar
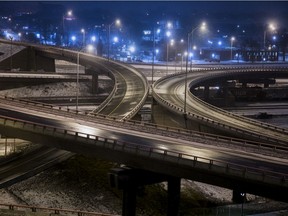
pixel 31 60
pixel 36 61
pixel 129 200
pixel 129 180
pixel 174 186
pixel 95 79
pixel 225 93
pixel 206 92
pixel 95 83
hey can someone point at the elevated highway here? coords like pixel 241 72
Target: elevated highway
pixel 170 93
pixel 257 168
pixel 261 170
pixel 130 85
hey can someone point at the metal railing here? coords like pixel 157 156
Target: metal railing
pixel 181 159
pixel 72 56
pixel 198 117
pixel 34 209
pixel 162 130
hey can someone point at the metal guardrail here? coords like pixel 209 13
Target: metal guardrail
pixel 181 159
pixel 72 55
pixel 180 111
pixel 189 135
pixel 215 123
pixel 56 211
pixel 141 103
pixel 108 99
pixel 214 76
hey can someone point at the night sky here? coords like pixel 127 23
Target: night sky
pixel 157 9
pixel 134 14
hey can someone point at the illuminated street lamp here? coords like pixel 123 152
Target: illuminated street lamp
pixel 11 39
pixel 232 39
pixel 93 39
pixel 90 48
pixel 83 32
pixel 116 22
pixel 168 34
pixel 271 28
pixel 154 51
pixel 202 26
pixel 132 49
pixel 77 80
pixel 78 65
pixel 68 14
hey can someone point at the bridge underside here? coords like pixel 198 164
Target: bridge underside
pixel 28 59
pixel 179 168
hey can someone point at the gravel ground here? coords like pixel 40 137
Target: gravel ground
pixel 59 187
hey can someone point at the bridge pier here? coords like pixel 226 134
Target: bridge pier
pixel 206 92
pixel 173 196
pixel 95 80
pixel 95 83
pixel 225 93
pixel 129 200
pixel 129 180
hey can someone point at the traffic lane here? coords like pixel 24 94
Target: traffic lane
pixel 170 90
pixel 129 102
pixel 133 95
pixel 157 142
pixel 129 93
pixel 118 96
pixel 27 117
pixel 31 163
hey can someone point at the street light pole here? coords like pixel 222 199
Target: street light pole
pixel 272 28
pixel 168 33
pixel 153 55
pixel 77 79
pixel 69 14
pixel 11 48
pixel 232 39
pixel 109 29
pixel 183 54
pixel 83 32
pixel 203 25
pixel 186 74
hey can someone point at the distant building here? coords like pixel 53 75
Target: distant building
pixel 256 55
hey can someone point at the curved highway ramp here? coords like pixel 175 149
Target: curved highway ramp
pixel 169 92
pixel 226 162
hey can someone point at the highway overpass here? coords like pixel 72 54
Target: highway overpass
pixel 240 165
pixel 169 92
